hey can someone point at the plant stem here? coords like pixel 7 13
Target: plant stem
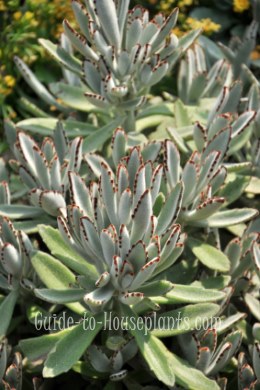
pixel 130 121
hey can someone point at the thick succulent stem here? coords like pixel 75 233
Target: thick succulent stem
pixel 130 121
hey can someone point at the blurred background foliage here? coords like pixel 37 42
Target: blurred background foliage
pixel 22 23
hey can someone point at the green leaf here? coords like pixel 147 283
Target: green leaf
pixel 37 348
pixel 55 275
pixel 181 114
pixel 184 272
pixel 158 358
pixel 62 56
pixel 238 167
pixel 46 126
pixel 99 137
pixel 86 369
pixel 228 323
pixel 234 188
pixel 231 217
pixel 20 212
pixel 158 109
pixel 191 378
pixel 189 294
pixel 60 296
pixel 237 230
pixel 216 282
pixel 31 226
pixel 72 96
pixel 6 311
pixel 165 364
pixel 156 288
pixel 185 319
pixel 253 305
pixel 254 185
pixel 71 347
pixel 151 122
pixel 63 252
pixel 208 255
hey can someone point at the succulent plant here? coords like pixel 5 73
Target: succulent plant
pixel 4 187
pixel 252 148
pixel 10 376
pixel 202 351
pixel 123 53
pixel 238 53
pixel 15 268
pixel 113 226
pixel 196 81
pixel 206 170
pixel 247 376
pixel 150 231
pixel 44 169
pixel 118 352
pixel 4 193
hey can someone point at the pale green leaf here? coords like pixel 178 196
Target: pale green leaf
pixel 55 275
pixel 153 350
pixel 208 255
pixel 63 252
pixel 71 347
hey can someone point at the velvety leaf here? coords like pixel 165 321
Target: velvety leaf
pixel 62 56
pixel 231 217
pixel 189 294
pixel 59 296
pixel 37 348
pixel 54 275
pixel 71 347
pixel 253 305
pixel 20 211
pixel 59 248
pixel 6 311
pixel 99 137
pixel 185 319
pixel 157 356
pixel 191 378
pixel 46 126
pixel 210 256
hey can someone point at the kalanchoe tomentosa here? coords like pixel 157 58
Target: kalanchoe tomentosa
pixel 249 376
pixel 5 196
pixel 124 54
pixel 196 81
pixel 205 171
pixel 113 225
pixel 45 169
pixel 201 350
pixel 15 248
pixel 110 360
pixel 10 376
pixel 238 52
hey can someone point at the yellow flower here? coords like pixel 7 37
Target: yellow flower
pixel 28 15
pixel 177 31
pixel 17 15
pixel 241 5
pixel 5 91
pixel 166 5
pixel 255 55
pixel 13 115
pixel 206 24
pixel 2 5
pixel 9 81
pixel 185 3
